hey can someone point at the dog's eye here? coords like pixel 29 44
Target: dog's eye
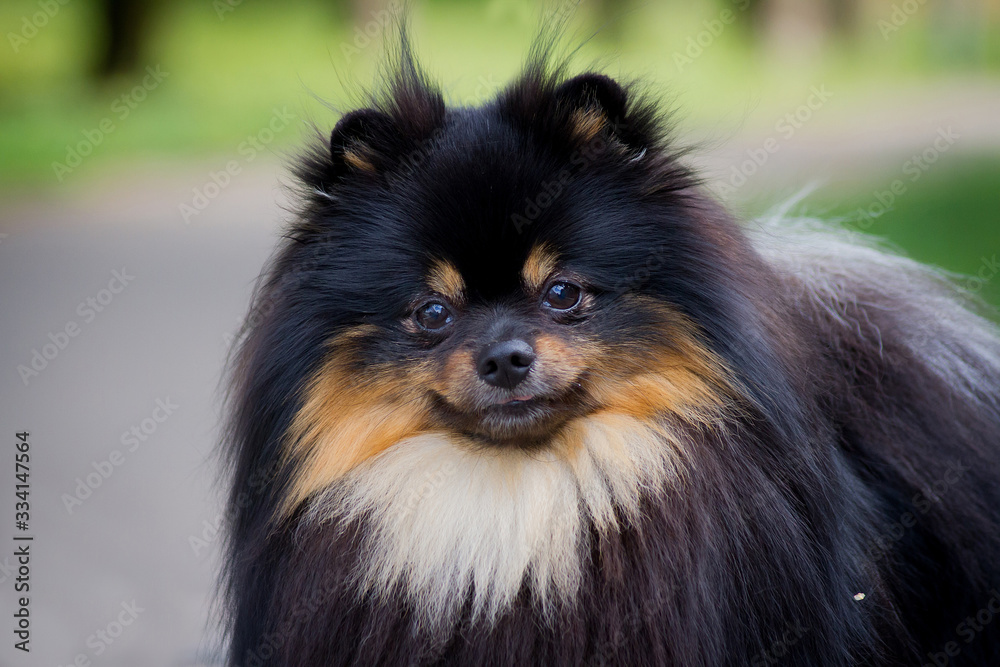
pixel 563 295
pixel 433 316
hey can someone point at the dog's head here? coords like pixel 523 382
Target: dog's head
pixel 496 273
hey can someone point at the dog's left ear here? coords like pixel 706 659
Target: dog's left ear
pixel 595 103
pixel 360 141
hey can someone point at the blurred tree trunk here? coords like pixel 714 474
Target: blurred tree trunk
pixel 793 27
pixel 125 25
pixel 363 10
pixel 844 17
pixel 790 26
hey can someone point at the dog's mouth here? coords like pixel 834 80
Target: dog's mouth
pixel 517 418
pixel 521 409
pixel 515 401
pixel 522 417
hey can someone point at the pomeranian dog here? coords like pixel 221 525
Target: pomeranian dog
pixel 515 390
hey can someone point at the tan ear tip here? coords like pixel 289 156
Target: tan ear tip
pixel 357 158
pixel 586 123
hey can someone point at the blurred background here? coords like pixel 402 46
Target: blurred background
pixel 143 161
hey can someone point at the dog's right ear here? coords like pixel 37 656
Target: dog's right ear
pixel 597 103
pixel 360 141
pixel 596 93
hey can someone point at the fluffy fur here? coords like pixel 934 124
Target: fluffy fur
pixel 747 444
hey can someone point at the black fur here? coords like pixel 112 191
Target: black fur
pixel 802 503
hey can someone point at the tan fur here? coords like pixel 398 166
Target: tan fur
pixel 541 263
pixel 445 279
pixel 346 419
pixel 457 377
pixel 586 123
pixel 689 383
pixel 561 362
pixel 355 156
pixel 684 379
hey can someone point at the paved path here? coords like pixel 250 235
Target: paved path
pixel 157 343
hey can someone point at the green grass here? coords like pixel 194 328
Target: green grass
pixel 949 217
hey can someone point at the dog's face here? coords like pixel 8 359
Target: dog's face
pixel 506 363
pixel 499 277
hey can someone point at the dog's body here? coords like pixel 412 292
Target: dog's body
pixel 516 391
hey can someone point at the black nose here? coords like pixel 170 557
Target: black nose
pixel 506 363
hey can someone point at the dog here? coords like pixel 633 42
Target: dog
pixel 516 390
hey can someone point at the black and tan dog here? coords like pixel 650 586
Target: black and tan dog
pixel 516 391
